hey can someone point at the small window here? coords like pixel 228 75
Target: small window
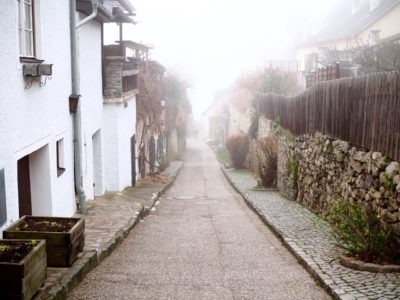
pixel 26 26
pixel 374 36
pixel 60 157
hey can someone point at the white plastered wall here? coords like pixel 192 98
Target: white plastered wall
pixel 388 26
pixel 36 117
pixel 239 121
pixel 119 127
pixel 40 167
pixel 91 90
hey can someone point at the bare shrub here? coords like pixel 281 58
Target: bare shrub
pixel 238 147
pixel 266 159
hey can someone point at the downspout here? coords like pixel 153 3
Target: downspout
pixel 95 5
pixel 75 82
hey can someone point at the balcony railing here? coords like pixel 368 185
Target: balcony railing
pixel 120 73
pixel 129 83
pixel 130 67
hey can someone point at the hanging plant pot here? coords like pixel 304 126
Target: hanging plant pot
pixel 22 268
pixel 65 236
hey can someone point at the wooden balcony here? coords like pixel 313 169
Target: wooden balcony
pixel 120 74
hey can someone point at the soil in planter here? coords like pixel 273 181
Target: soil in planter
pixel 14 252
pixel 60 225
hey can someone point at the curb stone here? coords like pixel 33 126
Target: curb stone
pixel 92 258
pixel 314 272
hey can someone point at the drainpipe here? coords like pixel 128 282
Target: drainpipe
pixel 95 5
pixel 77 119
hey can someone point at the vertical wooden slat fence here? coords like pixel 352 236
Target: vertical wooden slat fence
pixel 364 111
pixel 323 74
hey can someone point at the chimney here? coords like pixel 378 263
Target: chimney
pixel 374 4
pixel 355 6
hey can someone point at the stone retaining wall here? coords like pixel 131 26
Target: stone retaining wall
pixel 316 170
pixel 287 179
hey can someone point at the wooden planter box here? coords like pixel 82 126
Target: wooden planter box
pixel 62 247
pixel 21 280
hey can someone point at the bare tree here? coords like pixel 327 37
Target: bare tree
pixel 363 59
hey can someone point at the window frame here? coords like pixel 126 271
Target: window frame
pixel 22 31
pixel 60 157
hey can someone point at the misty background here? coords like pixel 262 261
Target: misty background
pixel 210 43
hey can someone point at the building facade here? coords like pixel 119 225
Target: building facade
pixel 41 74
pixel 363 23
pixel 35 123
pixel 119 113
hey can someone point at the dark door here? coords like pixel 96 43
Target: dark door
pixel 24 187
pixel 142 159
pixel 152 154
pixel 3 204
pixel 160 147
pixel 133 160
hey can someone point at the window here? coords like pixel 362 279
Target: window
pixel 373 37
pixel 311 62
pixel 26 28
pixel 60 157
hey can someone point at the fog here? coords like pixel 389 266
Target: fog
pixel 211 42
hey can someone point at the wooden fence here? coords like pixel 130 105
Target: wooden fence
pixel 323 74
pixel 364 111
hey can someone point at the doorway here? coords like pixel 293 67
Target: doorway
pixel 97 164
pixel 24 187
pixel 34 183
pixel 133 160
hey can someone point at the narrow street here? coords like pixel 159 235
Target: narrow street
pixel 201 242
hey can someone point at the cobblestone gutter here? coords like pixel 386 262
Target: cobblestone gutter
pixel 108 221
pixel 308 237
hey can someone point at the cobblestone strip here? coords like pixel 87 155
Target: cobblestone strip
pixel 309 238
pixel 101 242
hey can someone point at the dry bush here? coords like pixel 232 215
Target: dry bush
pixel 266 160
pixel 238 147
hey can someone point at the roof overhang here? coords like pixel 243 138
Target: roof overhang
pixel 135 46
pixel 128 6
pixel 121 17
pixel 103 15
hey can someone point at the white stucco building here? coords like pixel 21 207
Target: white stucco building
pixel 35 123
pixel 90 44
pixel 119 113
pixel 107 122
pixel 362 23
pixel 37 120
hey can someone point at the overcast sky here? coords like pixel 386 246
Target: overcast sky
pixel 211 42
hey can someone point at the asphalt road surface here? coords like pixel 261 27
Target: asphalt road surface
pixel 201 242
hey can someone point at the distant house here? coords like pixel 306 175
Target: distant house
pixel 350 24
pixel 216 118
